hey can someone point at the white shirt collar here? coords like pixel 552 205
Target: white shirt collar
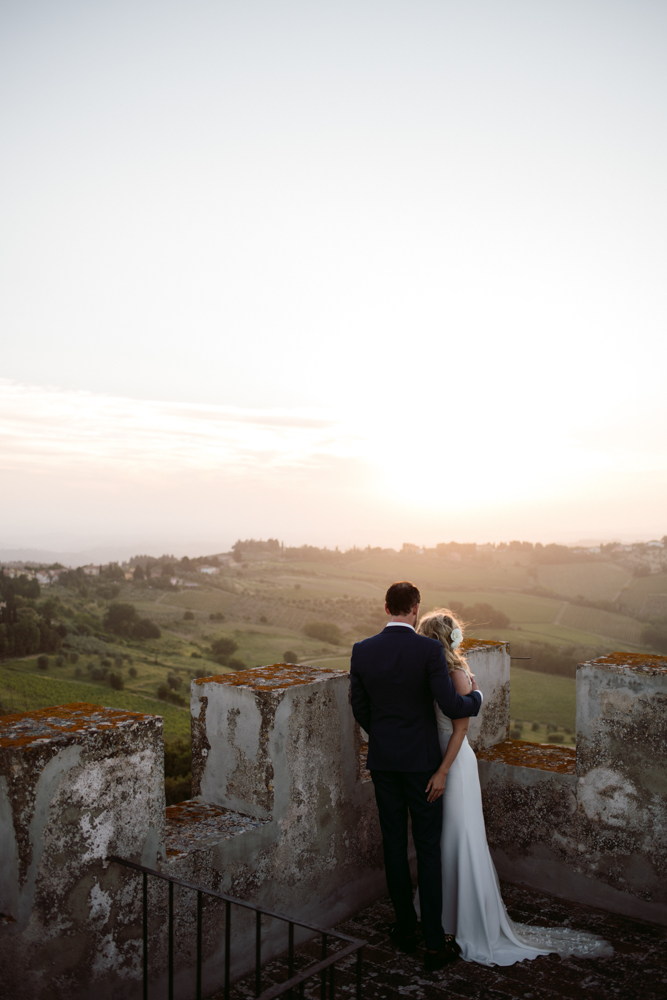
pixel 401 624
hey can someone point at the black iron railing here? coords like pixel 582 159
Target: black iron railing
pixel 324 969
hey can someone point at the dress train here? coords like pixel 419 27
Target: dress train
pixel 473 909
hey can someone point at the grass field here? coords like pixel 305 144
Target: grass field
pixel 592 620
pixel 519 608
pixel 562 636
pixel 594 581
pixel 428 572
pixel 639 588
pixel 22 689
pixel 543 698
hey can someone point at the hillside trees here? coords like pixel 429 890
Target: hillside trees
pixel 26 629
pixel 124 620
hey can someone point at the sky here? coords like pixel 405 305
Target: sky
pixel 339 273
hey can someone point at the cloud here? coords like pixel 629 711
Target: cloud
pixel 55 429
pixel 94 465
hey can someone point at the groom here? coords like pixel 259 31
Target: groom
pixel 395 677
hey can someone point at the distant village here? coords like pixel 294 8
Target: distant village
pixel 639 558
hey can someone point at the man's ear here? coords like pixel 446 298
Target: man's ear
pixel 386 608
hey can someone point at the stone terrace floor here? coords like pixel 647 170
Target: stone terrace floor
pixel 638 970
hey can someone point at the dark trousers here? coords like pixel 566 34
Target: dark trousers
pixel 397 793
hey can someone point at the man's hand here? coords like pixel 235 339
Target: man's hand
pixel 436 786
pixel 475 685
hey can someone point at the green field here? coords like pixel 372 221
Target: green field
pixel 543 698
pixel 605 623
pixel 23 689
pixel 635 594
pixel 517 607
pixel 434 573
pixel 595 581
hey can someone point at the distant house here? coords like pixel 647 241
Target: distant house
pixel 43 578
pixel 209 570
pixel 91 570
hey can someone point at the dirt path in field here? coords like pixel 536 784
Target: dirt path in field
pixel 559 617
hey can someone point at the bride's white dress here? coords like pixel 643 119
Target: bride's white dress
pixel 473 909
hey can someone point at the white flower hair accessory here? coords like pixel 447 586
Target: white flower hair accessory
pixel 455 638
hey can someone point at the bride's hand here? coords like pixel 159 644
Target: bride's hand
pixel 436 786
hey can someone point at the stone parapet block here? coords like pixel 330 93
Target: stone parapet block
pixel 278 748
pixel 489 661
pixel 590 824
pixel 77 783
pixel 263 739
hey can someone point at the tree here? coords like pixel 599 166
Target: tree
pixel 112 572
pixel 146 629
pixel 223 648
pixel 123 619
pixel 325 631
pixel 480 615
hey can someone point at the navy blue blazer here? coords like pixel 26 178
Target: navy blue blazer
pixel 395 678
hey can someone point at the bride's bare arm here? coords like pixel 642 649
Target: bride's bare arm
pixel 436 785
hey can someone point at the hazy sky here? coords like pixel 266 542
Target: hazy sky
pixel 353 272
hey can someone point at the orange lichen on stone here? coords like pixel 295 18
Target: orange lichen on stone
pixel 635 661
pixel 521 753
pixel 364 774
pixel 468 644
pixel 45 724
pixel 193 821
pixel 271 678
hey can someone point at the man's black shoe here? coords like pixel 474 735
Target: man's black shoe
pixel 404 942
pixel 434 960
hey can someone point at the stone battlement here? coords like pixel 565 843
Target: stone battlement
pixel 283 814
pixel 590 824
pixel 521 753
pixel 197 824
pixel 276 677
pixel 638 662
pixel 65 725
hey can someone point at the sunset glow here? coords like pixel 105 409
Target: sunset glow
pixel 346 274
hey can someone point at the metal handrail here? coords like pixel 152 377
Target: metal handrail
pixel 327 962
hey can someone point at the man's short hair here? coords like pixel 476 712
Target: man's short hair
pixel 402 597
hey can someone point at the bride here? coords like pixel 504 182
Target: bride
pixel 473 910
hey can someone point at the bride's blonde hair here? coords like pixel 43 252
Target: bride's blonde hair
pixel 439 624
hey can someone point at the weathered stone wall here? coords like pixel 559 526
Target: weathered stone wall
pixel 77 783
pixel 283 814
pixel 490 663
pixel 279 743
pixel 590 825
